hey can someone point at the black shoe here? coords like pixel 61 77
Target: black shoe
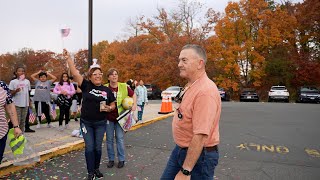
pixel 90 177
pixel 98 174
pixel 75 119
pixel 120 164
pixel 110 164
pixel 29 130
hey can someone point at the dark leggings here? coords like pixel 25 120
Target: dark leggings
pixel 27 126
pixel 45 110
pixel 64 111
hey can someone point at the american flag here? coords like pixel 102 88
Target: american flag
pixel 43 116
pixel 65 32
pixel 32 117
pixel 53 111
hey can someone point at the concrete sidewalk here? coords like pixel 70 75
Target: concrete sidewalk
pixel 50 142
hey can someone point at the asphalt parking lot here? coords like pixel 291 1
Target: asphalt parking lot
pixel 258 141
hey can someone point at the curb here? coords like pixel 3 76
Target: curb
pixel 8 167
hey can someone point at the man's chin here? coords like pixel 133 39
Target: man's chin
pixel 183 75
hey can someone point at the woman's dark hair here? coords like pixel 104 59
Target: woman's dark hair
pixel 15 72
pixel 43 74
pixel 61 79
pixel 19 67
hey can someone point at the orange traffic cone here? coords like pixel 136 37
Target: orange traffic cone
pixel 166 105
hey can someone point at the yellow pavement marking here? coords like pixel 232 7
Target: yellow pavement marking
pixel 263 148
pixel 8 167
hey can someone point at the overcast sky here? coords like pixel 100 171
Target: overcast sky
pixel 36 24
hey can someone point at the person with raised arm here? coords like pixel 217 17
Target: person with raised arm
pixel 42 98
pixel 97 102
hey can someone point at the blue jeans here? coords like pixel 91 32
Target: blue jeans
pixel 2 146
pixel 140 112
pixel 112 127
pixel 203 170
pixel 93 133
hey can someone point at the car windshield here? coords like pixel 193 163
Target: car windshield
pixel 278 88
pixel 309 89
pixel 173 89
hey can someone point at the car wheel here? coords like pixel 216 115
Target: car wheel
pixel 269 99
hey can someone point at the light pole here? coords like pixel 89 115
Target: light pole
pixel 90 35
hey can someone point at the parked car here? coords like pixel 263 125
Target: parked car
pixel 308 94
pixel 153 91
pixel 171 91
pixel 278 93
pixel 224 95
pixel 249 94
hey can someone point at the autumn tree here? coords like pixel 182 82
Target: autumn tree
pixel 307 54
pixel 245 36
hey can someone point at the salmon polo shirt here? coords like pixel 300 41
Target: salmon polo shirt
pixel 200 109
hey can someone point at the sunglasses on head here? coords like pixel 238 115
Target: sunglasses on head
pixel 179 96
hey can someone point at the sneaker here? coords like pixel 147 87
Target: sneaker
pixel 90 177
pixel 98 174
pixel 50 126
pixel 30 130
pixel 110 164
pixel 67 126
pixel 60 128
pixel 120 164
pixel 38 126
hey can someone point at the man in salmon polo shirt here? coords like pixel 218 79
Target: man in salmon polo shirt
pixel 195 123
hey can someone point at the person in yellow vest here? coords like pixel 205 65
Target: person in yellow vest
pixel 120 91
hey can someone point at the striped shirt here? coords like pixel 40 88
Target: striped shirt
pixel 5 98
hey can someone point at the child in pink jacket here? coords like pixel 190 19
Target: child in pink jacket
pixel 65 88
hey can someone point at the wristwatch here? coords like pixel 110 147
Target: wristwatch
pixel 185 172
pixel 16 126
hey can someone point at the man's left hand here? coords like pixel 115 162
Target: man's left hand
pixel 181 176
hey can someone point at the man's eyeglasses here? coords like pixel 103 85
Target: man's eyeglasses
pixel 178 99
pixel 179 96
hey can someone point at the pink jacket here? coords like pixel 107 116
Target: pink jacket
pixel 65 87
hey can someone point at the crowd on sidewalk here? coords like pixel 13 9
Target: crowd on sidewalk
pixel 72 93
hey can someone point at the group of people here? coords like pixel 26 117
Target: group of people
pixel 101 106
pixel 195 124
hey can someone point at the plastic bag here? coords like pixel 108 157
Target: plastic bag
pixel 22 149
pixel 76 133
pixel 127 122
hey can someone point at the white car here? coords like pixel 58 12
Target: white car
pixel 171 91
pixel 278 93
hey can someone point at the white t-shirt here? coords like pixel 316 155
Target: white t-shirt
pixel 21 98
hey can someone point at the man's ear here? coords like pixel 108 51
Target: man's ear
pixel 200 64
